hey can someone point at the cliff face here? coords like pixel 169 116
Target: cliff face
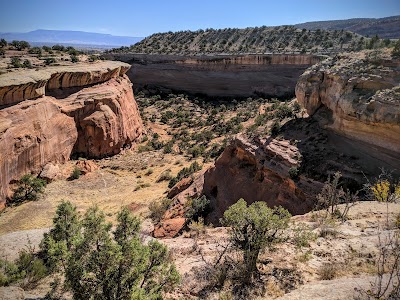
pixel 356 95
pixel 106 116
pixel 95 121
pixel 33 134
pixel 273 75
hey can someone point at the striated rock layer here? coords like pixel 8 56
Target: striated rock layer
pixel 30 84
pixel 253 170
pixel 97 121
pixel 266 75
pixel 356 95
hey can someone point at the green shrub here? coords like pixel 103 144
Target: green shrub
pixel 197 207
pixel 20 45
pixel 74 58
pixel 93 58
pixel 3 43
pixel 16 62
pixel 2 52
pixel 254 228
pixel 107 264
pixel 35 50
pixel 303 235
pixel 185 172
pixel 27 270
pixel 294 172
pixel 396 50
pixel 28 188
pixel 27 64
pixel 58 48
pixel 149 172
pixel 49 60
pixel 75 174
pixel 165 176
pixel 158 208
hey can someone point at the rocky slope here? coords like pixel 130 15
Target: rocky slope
pixel 356 95
pixel 218 75
pixel 94 122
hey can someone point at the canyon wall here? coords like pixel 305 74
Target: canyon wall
pixel 95 121
pixel 356 95
pixel 268 75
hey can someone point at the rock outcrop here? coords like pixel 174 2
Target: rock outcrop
pixel 33 134
pixel 106 116
pixel 356 95
pixel 253 170
pixel 30 84
pixel 37 134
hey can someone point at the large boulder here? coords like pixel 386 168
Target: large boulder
pixel 106 116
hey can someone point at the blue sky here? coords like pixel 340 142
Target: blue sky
pixel 142 18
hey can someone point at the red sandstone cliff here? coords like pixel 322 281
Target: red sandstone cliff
pixel 253 170
pixel 96 121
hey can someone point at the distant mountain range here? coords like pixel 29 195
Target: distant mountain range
pixel 47 37
pixel 387 28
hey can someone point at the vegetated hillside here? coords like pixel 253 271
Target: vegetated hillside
pixel 384 27
pixel 264 39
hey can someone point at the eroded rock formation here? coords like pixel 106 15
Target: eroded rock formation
pixel 254 170
pixel 96 121
pixel 106 116
pixel 356 95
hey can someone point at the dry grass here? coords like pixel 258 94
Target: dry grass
pixel 111 187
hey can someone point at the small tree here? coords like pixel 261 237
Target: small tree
pixel 253 229
pixel 103 264
pixel 28 188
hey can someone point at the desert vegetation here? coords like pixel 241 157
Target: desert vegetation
pixel 281 39
pixel 199 128
pixel 20 54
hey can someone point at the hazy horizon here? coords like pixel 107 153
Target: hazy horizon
pixel 140 19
